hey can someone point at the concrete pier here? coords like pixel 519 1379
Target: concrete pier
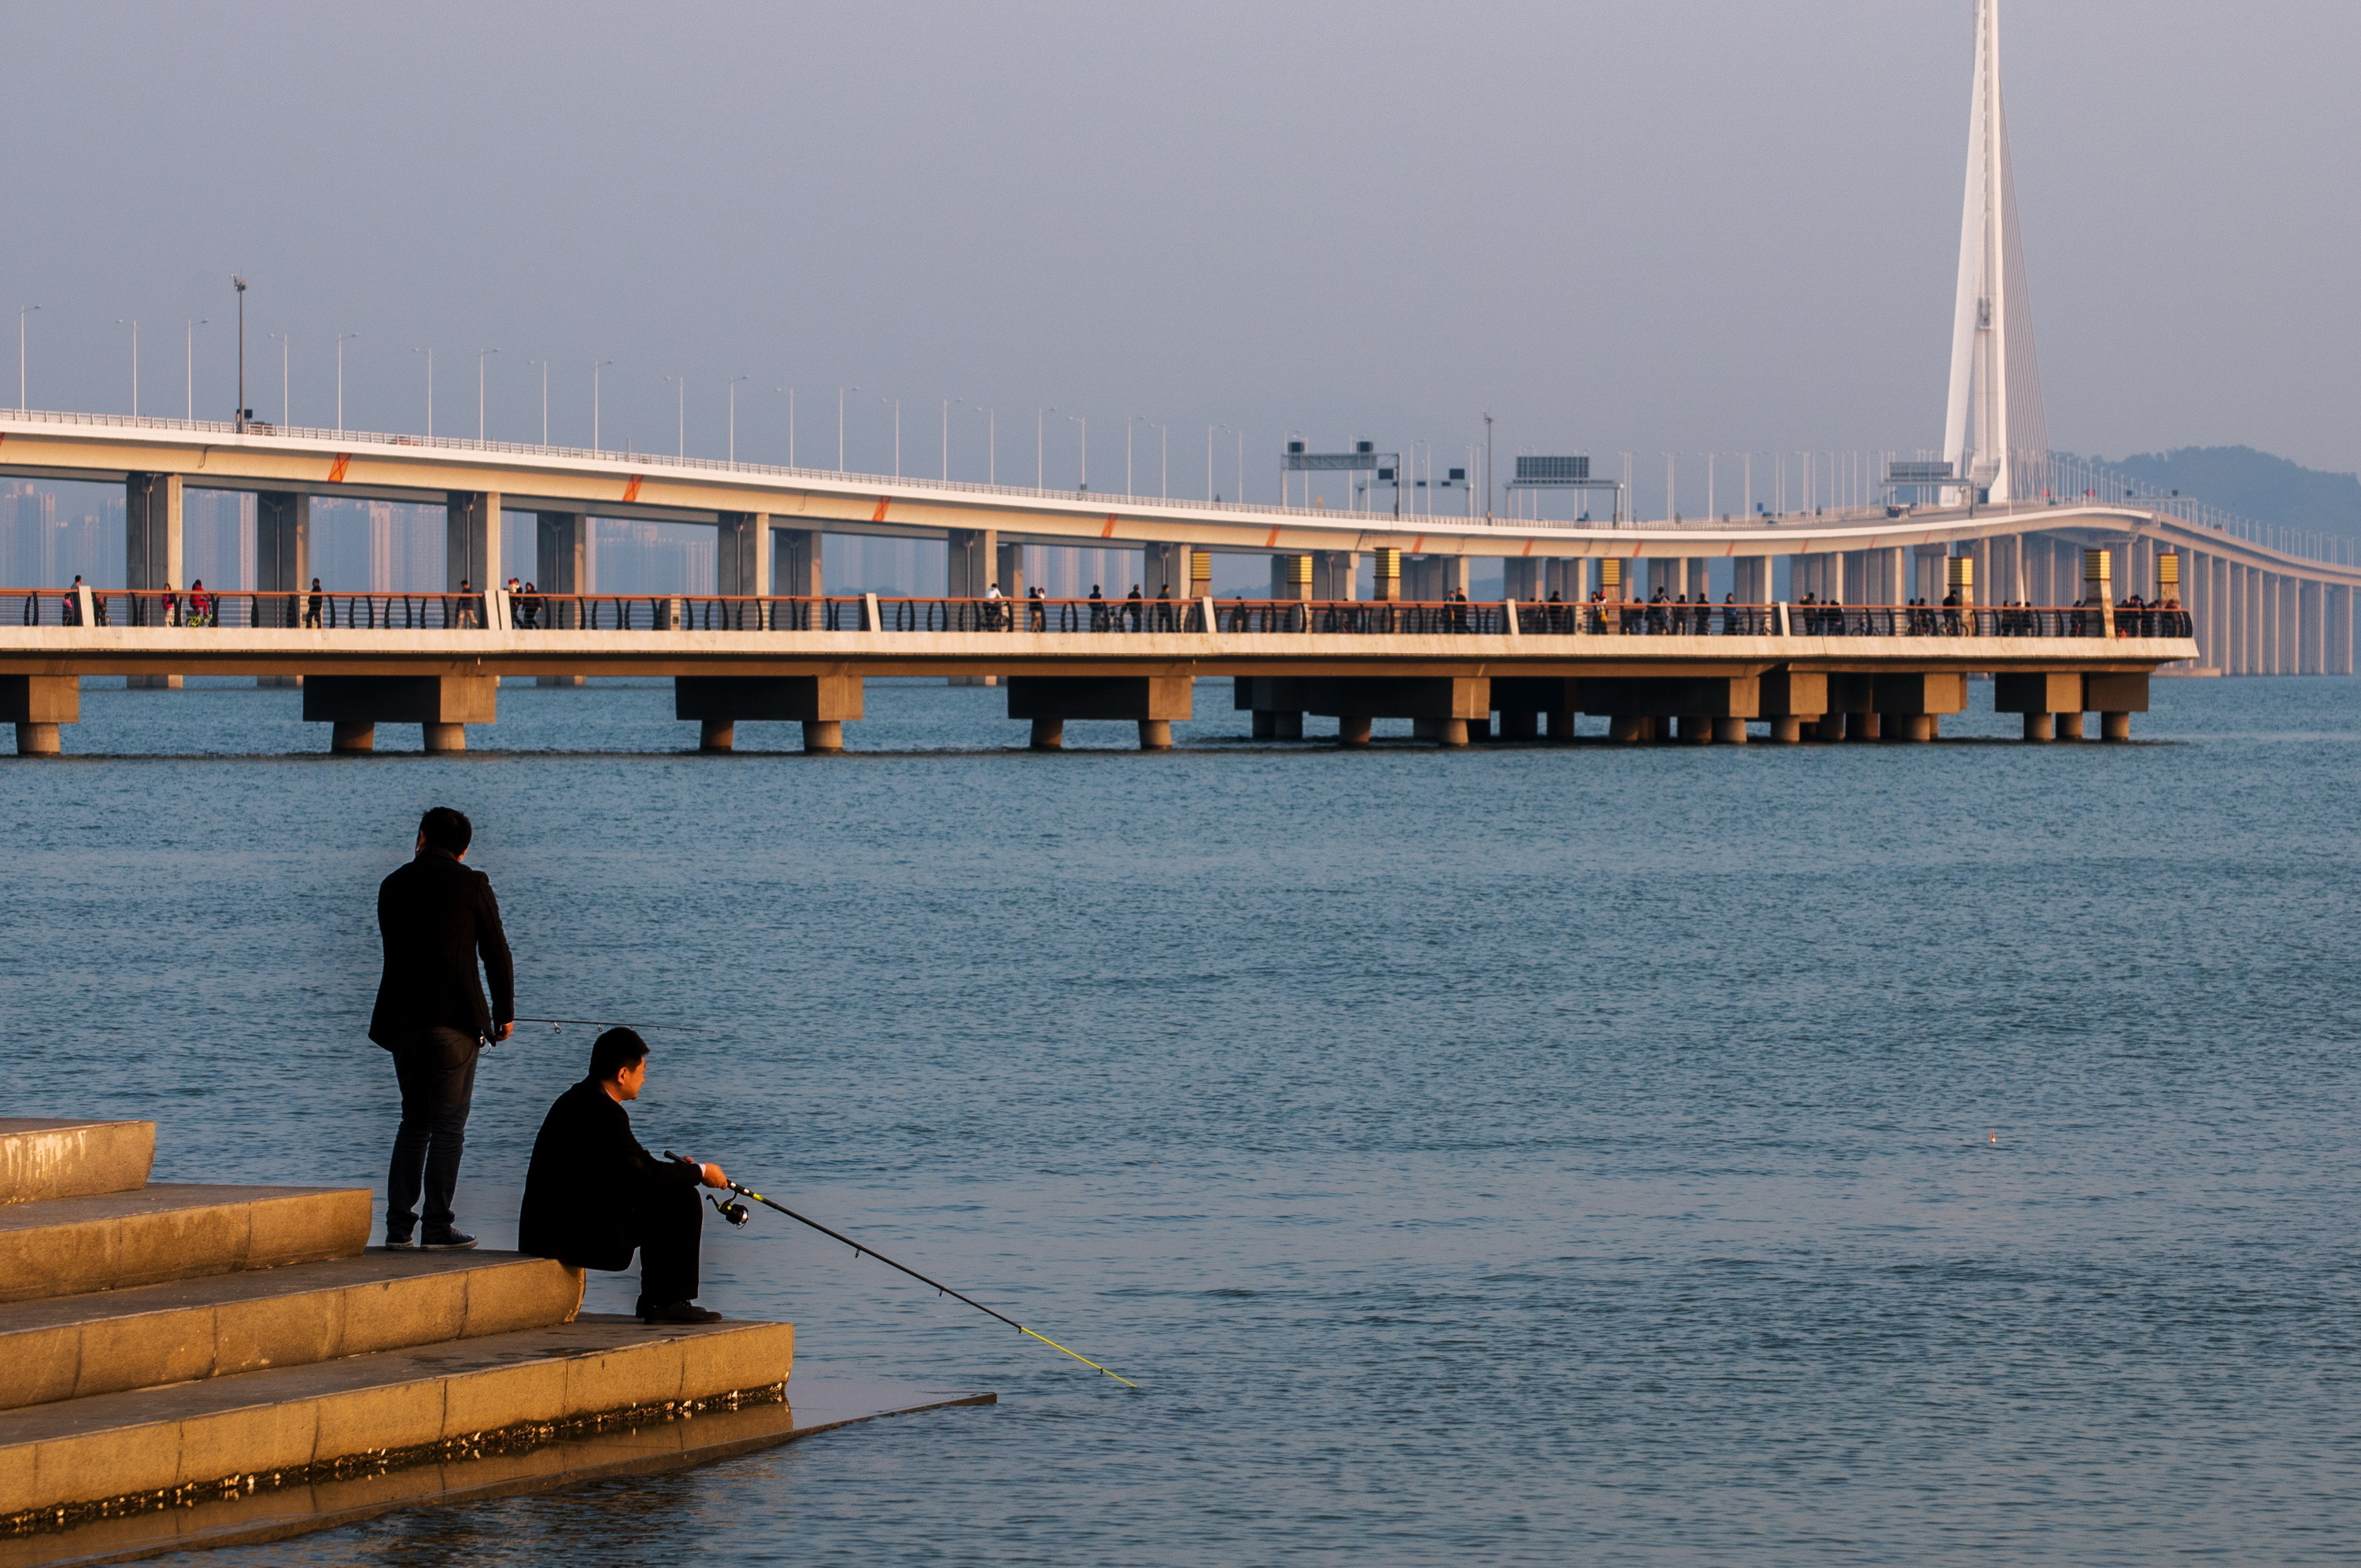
pixel 821 704
pixel 1153 702
pixel 442 705
pixel 37 705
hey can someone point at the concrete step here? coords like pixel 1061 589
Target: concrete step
pixel 287 1418
pixel 68 1246
pixel 70 1347
pixel 41 1159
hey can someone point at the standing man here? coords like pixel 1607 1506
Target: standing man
pixel 436 917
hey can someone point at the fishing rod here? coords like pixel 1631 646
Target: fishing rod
pixel 737 1214
pixel 593 1022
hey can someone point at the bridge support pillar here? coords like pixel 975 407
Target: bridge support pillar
pixel 2114 726
pixel 796 563
pixel 1912 704
pixel 153 553
pixel 1786 730
pixel 1524 700
pixel 741 558
pixel 1791 698
pixel 2115 697
pixel 282 562
pixel 1152 702
pixel 2040 727
pixel 37 705
pixel 1521 578
pixel 1751 578
pixel 442 705
pixel 1440 708
pixel 1165 569
pixel 1642 707
pixel 2070 727
pixel 1729 732
pixel 561 565
pixel 1008 571
pixel 718 703
pixel 971 557
pixel 1049 735
pixel 1862 726
pixel 1277 703
pixel 471 540
pixel 1353 729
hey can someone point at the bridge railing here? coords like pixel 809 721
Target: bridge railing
pixel 330 612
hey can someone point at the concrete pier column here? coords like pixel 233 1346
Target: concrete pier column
pixel 823 735
pixel 1729 732
pixel 1861 726
pixel 1916 726
pixel 2115 727
pixel 282 560
pixel 717 735
pixel 1451 731
pixel 1830 728
pixel 741 559
pixel 2040 726
pixel 1278 725
pixel 1626 729
pixel 1049 735
pixel 1153 702
pixel 353 735
pixel 1560 725
pixel 153 553
pixel 972 555
pixel 1009 573
pixel 442 705
pixel 1164 569
pixel 718 703
pixel 38 704
pixel 1694 729
pixel 796 562
pixel 471 540
pixel 561 567
pixel 1353 729
pixel 1786 732
pixel 2070 727
pixel 1751 578
pixel 1521 578
pixel 2114 697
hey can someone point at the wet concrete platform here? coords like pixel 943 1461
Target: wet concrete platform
pixel 810 1405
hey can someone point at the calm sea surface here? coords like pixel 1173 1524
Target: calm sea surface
pixel 1807 1155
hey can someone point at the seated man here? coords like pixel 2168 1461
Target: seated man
pixel 592 1194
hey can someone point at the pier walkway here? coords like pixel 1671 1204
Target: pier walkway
pixel 1696 672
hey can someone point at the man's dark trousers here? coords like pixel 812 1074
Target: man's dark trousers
pixel 437 1070
pixel 666 1223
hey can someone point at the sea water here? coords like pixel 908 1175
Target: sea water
pixel 1826 1154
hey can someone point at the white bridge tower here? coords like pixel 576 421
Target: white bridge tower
pixel 1994 434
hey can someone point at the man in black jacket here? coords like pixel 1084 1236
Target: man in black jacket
pixel 436 917
pixel 592 1194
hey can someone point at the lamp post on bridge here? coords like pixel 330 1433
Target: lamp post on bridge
pixel 481 355
pixel 1085 423
pixel 22 313
pixel 947 436
pixel 244 413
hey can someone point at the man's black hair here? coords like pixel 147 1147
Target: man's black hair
pixel 447 829
pixel 613 1051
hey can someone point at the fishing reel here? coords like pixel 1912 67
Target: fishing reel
pixel 735 1213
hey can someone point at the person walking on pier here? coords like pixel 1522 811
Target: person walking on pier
pixel 593 1195
pixel 312 608
pixel 437 917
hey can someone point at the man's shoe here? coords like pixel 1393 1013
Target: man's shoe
pixel 678 1312
pixel 446 1241
pixel 398 1242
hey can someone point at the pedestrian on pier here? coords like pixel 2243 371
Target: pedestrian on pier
pixel 436 918
pixel 72 602
pixel 469 617
pixel 1036 608
pixel 201 604
pixel 1132 603
pixel 593 1195
pixel 312 607
pixel 1098 610
pixel 528 607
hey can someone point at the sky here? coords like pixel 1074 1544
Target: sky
pixel 1685 225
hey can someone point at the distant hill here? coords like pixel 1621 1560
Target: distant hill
pixel 2257 485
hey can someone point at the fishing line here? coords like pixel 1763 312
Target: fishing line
pixel 738 1214
pixel 593 1022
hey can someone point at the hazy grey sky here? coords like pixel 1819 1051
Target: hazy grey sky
pixel 1680 224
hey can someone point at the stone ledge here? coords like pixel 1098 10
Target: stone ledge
pixel 118 1445
pixel 43 1159
pixel 70 1246
pixel 73 1347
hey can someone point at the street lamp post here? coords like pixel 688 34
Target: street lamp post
pixel 243 412
pixel 340 379
pixel 595 365
pixel 189 363
pixel 1085 423
pixel 286 402
pixel 1487 468
pixel 1209 459
pixel 481 355
pixel 21 314
pixel 133 326
pixel 733 414
pixel 946 437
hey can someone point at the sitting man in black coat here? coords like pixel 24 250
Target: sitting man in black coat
pixel 592 1194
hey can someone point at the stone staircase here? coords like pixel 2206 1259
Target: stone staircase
pixel 164 1344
